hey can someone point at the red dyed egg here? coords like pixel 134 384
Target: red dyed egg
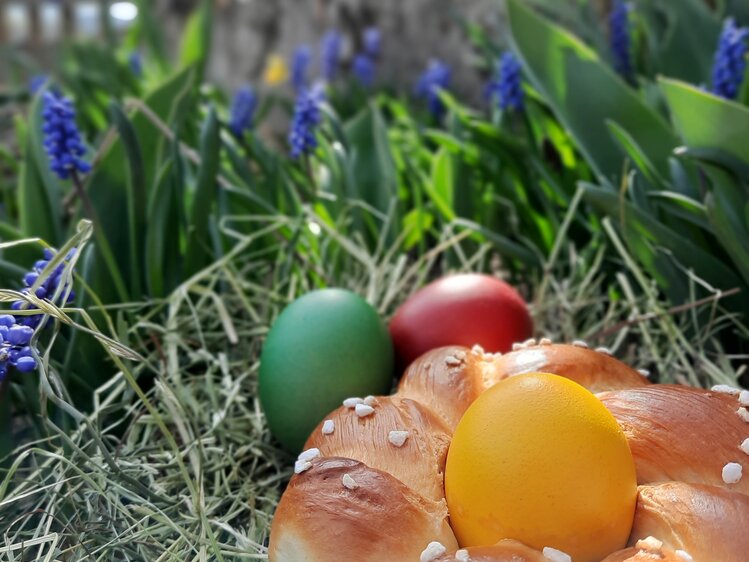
pixel 465 309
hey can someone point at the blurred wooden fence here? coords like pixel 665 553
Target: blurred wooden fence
pixel 38 24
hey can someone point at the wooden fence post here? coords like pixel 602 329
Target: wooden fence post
pixel 3 24
pixel 35 24
pixel 68 21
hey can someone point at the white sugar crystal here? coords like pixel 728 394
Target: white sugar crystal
pixel 349 482
pixel 649 544
pixel 556 555
pixel 684 555
pixel 363 410
pixel 309 454
pixel 517 346
pixel 725 389
pixel 644 372
pixel 745 446
pixel 370 400
pixel 452 361
pixel 545 341
pixel 398 438
pixel 732 473
pixel 530 342
pixel 580 343
pixel 328 427
pixel 477 350
pixel 462 555
pixel 743 414
pixel 744 398
pixel 604 350
pixel 352 402
pixel 461 355
pixel 433 551
pixel 301 466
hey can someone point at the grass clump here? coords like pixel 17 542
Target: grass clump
pixel 175 461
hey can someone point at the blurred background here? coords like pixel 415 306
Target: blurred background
pixel 247 32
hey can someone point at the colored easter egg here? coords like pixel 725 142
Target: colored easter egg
pixel 326 346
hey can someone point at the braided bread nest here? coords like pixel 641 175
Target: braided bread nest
pixel 370 484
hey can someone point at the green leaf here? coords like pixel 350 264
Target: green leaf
pixel 443 178
pixel 683 207
pixel 417 224
pixel 112 192
pixel 584 93
pixel 39 197
pixel 707 121
pixel 634 151
pixel 162 243
pixel 137 194
pixel 372 165
pixel 685 34
pixel 644 232
pixel 506 247
pixel 440 188
pixel 726 203
pixel 199 252
pixel 196 40
pixel 150 30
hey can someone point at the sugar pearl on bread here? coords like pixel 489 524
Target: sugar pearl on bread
pixel 398 438
pixel 364 410
pixel 433 551
pixel 349 482
pixel 732 473
pixel 352 402
pixel 556 555
pixel 328 427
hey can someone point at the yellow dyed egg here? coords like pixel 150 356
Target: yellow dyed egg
pixel 539 459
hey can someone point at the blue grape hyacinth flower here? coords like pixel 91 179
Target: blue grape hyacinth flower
pixel 307 117
pixel 299 65
pixel 330 49
pixel 14 346
pixel 242 110
pixel 135 61
pixel 16 331
pixel 620 39
pixel 436 77
pixel 36 82
pixel 364 69
pixel 62 139
pixel 729 66
pixel 506 88
pixel 372 42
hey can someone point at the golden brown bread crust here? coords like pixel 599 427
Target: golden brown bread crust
pixel 679 433
pixel 396 506
pixel 595 370
pixel 418 463
pixel 504 551
pixel 708 522
pixel 447 380
pixel 321 520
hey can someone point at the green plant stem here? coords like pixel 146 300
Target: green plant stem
pixel 101 239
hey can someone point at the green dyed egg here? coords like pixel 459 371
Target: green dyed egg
pixel 325 347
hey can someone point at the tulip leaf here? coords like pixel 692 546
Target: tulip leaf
pixel 707 121
pixel 571 76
